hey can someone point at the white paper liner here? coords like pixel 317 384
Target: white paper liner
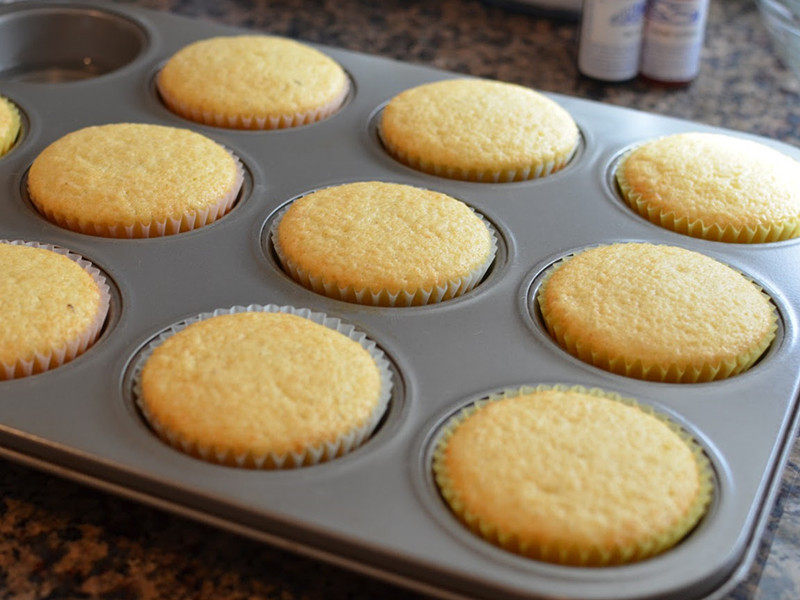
pixel 309 456
pixel 43 361
pixel 383 297
pixel 169 226
pixel 239 121
pixel 542 169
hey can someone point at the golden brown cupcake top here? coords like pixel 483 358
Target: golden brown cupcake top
pixel 571 476
pixel 478 130
pixel 9 125
pixel 384 236
pixel 48 301
pixel 714 186
pixel 657 312
pixel 259 383
pixel 126 174
pixel 251 77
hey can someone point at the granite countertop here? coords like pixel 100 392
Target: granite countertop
pixel 61 540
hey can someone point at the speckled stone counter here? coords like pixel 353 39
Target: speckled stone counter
pixel 61 540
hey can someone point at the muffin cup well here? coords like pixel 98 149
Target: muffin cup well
pixel 44 361
pixel 381 296
pixel 188 221
pixel 638 369
pixel 252 122
pixel 54 43
pixel 697 227
pixel 309 456
pixel 590 556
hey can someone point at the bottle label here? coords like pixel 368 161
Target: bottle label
pixel 673 39
pixel 611 35
pixel 615 22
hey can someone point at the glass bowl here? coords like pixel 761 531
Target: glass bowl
pixel 782 19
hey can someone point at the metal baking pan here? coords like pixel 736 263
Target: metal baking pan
pixel 375 510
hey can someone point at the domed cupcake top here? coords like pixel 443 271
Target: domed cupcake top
pixel 572 476
pixel 478 130
pixel 714 186
pixel 9 125
pixel 656 312
pixel 53 306
pixel 134 180
pixel 264 388
pixel 252 82
pixel 384 243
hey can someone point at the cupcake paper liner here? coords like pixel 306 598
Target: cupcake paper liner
pixel 169 226
pixel 383 297
pixel 7 140
pixel 254 122
pixel 480 175
pixel 591 556
pixel 638 369
pixel 309 456
pixel 697 227
pixel 43 361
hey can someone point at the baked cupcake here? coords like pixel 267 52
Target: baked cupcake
pixel 383 244
pixel 9 125
pixel 265 388
pixel 134 181
pixel 478 130
pixel 252 82
pixel 54 304
pixel 656 312
pixel 712 186
pixel 545 472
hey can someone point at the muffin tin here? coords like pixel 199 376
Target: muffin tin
pixel 375 510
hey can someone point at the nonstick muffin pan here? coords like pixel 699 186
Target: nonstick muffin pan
pixel 376 509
